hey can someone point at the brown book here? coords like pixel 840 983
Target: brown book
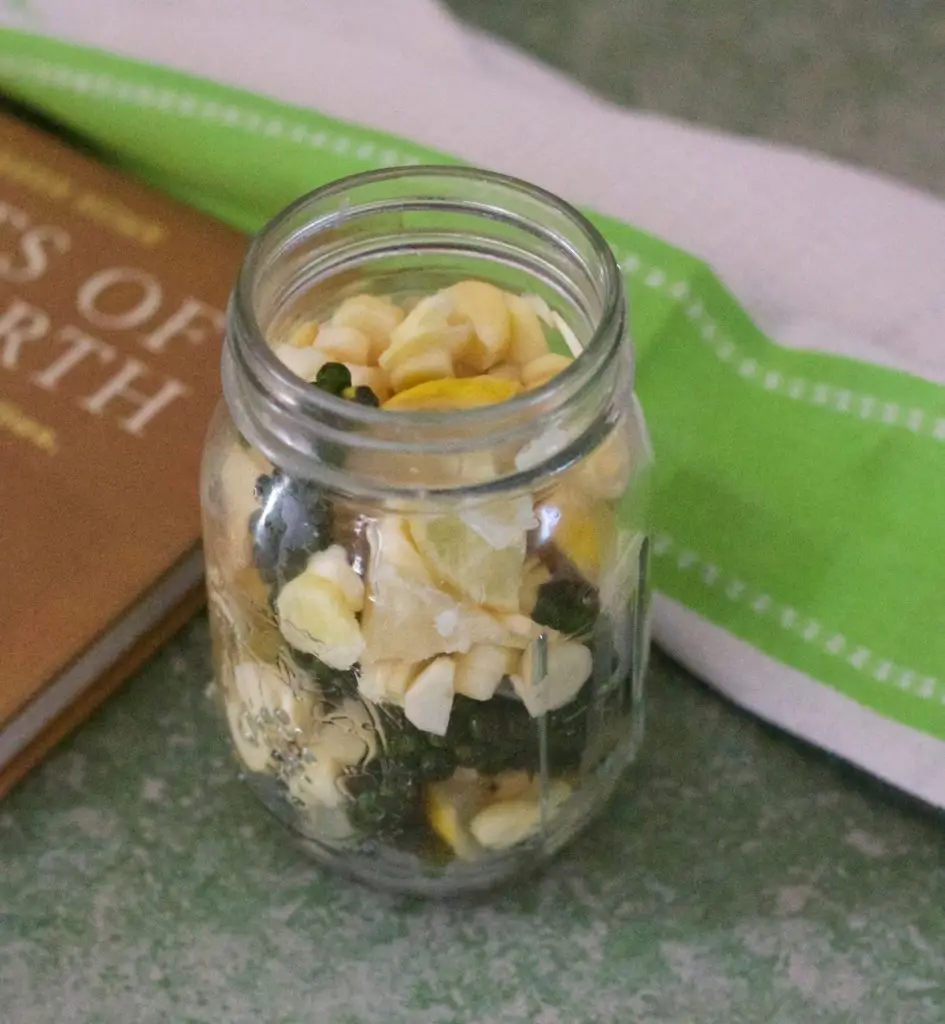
pixel 111 321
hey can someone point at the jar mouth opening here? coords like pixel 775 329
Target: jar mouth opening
pixel 430 226
pixel 306 394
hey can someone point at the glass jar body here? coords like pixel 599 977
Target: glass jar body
pixel 429 655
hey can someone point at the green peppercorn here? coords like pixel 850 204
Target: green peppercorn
pixel 333 378
pixel 570 605
pixel 361 395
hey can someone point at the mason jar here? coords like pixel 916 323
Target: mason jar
pixel 425 502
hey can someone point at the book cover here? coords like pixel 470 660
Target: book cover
pixel 112 301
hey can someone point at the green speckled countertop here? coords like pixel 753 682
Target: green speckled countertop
pixel 740 878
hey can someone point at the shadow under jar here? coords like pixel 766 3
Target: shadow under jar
pixel 429 618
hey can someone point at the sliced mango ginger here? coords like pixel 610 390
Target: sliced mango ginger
pixel 348 734
pixel 528 340
pixel 539 371
pixel 316 785
pixel 480 670
pixel 369 377
pixel 534 576
pixel 332 564
pixel 251 745
pixel 474 813
pixel 451 805
pixel 429 698
pixel 568 667
pixel 433 325
pixel 433 365
pixel 315 617
pixel 374 316
pixel 344 739
pixel 303 362
pixel 238 475
pixel 303 334
pixel 505 371
pixel 249 615
pixel 507 822
pixel 386 682
pixel 486 308
pixel 343 344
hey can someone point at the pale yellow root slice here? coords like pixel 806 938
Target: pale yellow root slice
pixel 451 805
pixel 486 308
pixel 386 682
pixel 508 822
pixel 343 344
pixel 568 667
pixel 303 334
pixel 372 377
pixel 374 316
pixel 259 693
pixel 428 701
pixel 348 734
pixel 543 369
pixel 433 325
pixel 432 365
pixel 406 621
pixel 514 784
pixel 254 622
pixel 480 670
pixel 528 341
pixel 315 617
pixel 303 362
pixel 239 472
pixel 506 371
pixel 332 564
pixel 251 746
pixel 316 784
pixel 534 575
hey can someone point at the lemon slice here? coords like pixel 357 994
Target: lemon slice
pixel 460 557
pixel 407 617
pixel 581 527
pixel 454 393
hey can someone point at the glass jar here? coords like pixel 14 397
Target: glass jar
pixel 430 624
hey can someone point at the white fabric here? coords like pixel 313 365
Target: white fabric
pixel 824 256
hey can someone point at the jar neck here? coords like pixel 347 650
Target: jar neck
pixel 418 230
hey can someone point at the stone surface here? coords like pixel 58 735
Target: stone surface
pixel 862 80
pixel 739 877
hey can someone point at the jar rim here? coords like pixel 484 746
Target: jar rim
pixel 248 348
